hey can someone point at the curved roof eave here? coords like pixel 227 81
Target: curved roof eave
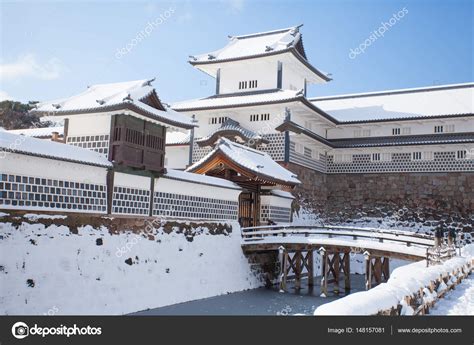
pixel 291 49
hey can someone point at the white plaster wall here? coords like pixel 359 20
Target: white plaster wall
pixel 177 157
pixel 273 200
pixel 291 80
pixel 14 163
pixel 403 149
pixel 94 124
pixel 132 181
pixel 167 185
pixel 265 72
pixel 242 115
pixel 416 127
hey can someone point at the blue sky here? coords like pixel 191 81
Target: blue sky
pixel 55 49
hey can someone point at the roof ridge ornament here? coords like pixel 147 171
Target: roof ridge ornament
pixel 192 57
pixel 100 101
pixel 128 98
pixel 211 56
pixel 268 48
pixel 56 105
pixel 295 30
pixel 148 82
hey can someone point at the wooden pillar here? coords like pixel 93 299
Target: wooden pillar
pixel 386 268
pixel 347 271
pixel 310 263
pixel 377 270
pixel 368 271
pixel 284 271
pixel 337 270
pixel 297 259
pixel 324 273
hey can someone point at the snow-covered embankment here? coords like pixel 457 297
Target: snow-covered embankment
pixel 410 289
pixel 54 269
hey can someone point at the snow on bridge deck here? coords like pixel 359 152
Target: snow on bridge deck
pixel 379 242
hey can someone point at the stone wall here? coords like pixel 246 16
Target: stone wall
pixel 431 199
pixel 428 195
pixel 312 193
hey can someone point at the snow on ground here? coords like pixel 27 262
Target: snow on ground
pixel 457 302
pixel 44 269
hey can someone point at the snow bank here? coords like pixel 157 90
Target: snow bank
pixel 457 302
pixel 404 281
pixel 48 268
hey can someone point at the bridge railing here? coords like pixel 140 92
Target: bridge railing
pixel 261 233
pixel 438 255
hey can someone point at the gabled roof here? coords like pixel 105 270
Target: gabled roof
pixel 257 45
pixel 416 103
pixel 257 165
pixel 138 95
pixel 44 132
pixel 231 128
pixel 49 149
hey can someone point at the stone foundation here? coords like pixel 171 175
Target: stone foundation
pixel 431 199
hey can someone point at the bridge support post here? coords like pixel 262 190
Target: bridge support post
pixel 386 268
pixel 368 270
pixel 298 268
pixel 336 271
pixel 324 271
pixel 310 267
pixel 347 271
pixel 283 254
pixel 377 270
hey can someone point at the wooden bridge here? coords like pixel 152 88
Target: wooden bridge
pixel 335 244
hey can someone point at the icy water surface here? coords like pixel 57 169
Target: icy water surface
pixel 260 301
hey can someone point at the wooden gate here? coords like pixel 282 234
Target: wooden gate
pixel 246 209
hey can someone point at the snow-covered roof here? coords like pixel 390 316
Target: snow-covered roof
pixel 282 193
pixel 104 97
pixel 177 138
pixel 49 149
pixel 198 178
pixel 454 99
pixel 258 162
pixel 243 99
pixel 288 40
pixel 38 132
pixel 252 45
